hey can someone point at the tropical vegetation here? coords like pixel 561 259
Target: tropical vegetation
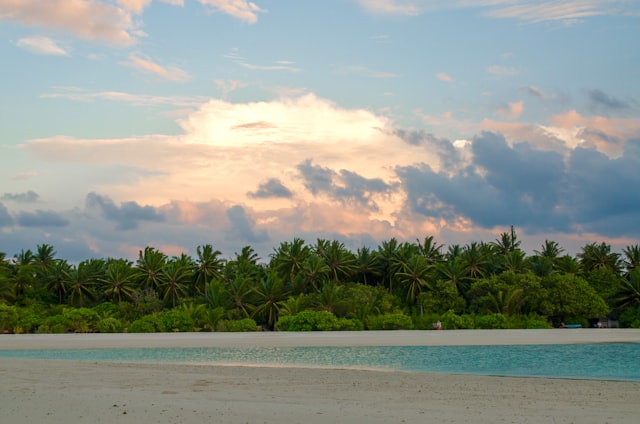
pixel 322 286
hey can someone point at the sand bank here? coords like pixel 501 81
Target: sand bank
pixel 49 391
pixel 346 338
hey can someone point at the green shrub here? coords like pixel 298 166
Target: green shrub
pixel 313 321
pixel 109 325
pixel 491 322
pixel 55 324
pixel 81 320
pixel 8 317
pixel 451 321
pixel 630 317
pixel 397 321
pixel 146 324
pixel 176 320
pixel 283 323
pixel 237 326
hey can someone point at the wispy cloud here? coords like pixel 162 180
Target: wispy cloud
pixel 27 197
pixel 533 11
pixel 91 20
pixel 241 9
pixel 41 45
pixel 171 73
pixel 502 71
pixel 444 77
pixel 79 95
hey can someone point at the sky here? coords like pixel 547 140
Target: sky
pixel 178 123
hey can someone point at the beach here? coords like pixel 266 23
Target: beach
pixel 56 391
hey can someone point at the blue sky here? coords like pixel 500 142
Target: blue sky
pixel 177 123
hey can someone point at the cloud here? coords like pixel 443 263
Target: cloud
pixel 127 216
pixel 27 197
pixel 532 11
pixel 5 218
pixel 41 218
pixel 271 188
pixel 444 77
pixel 241 9
pixel 394 7
pixel 134 6
pixel 502 71
pixel 79 95
pixel 90 20
pixel 242 226
pixel 601 101
pixel 146 66
pixel 344 186
pixel 512 110
pixel 536 92
pixel 41 45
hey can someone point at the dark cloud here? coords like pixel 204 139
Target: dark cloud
pixel 41 218
pixel 28 197
pixel 128 215
pixel 605 192
pixel 242 226
pixel 271 188
pixel 603 102
pixel 440 146
pixel 344 186
pixel 5 217
pixel 533 189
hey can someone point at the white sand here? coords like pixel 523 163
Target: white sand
pixel 44 391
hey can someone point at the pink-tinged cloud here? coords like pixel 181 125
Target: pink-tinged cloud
pixel 512 111
pixel 134 6
pixel 444 77
pixel 90 20
pixel 393 7
pixel 240 9
pixel 41 45
pixel 171 73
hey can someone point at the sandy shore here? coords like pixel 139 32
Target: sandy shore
pixel 45 391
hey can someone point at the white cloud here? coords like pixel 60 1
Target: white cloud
pixel 534 11
pixel 170 73
pixel 134 6
pixel 502 71
pixel 41 45
pixel 512 110
pixel 91 20
pixel 79 95
pixel 444 77
pixel 241 9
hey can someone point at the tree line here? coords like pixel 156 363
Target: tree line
pixel 323 286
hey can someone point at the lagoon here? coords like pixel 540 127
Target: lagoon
pixel 594 361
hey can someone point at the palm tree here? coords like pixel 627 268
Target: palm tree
pixel 453 272
pixel 149 266
pixel 631 258
pixel 387 257
pixel 430 250
pixel 314 272
pixel 340 261
pixel 208 266
pixel 83 279
pixel 118 281
pixel 289 258
pixel 269 294
pixel 474 260
pixel 366 264
pixel 506 302
pixel 514 261
pixel 174 276
pixel 240 291
pixel 44 258
pixel 507 242
pixel 550 249
pixel 414 277
pixel 629 292
pixel 595 255
pixel 58 278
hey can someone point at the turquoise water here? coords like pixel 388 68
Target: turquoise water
pixel 607 361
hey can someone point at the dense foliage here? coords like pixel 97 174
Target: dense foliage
pixel 322 286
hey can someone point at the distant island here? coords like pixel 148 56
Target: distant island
pixel 324 286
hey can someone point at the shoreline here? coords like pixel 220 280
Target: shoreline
pixel 54 391
pixel 303 339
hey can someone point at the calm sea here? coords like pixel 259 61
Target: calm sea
pixel 605 361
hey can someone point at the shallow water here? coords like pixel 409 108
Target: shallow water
pixel 604 361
